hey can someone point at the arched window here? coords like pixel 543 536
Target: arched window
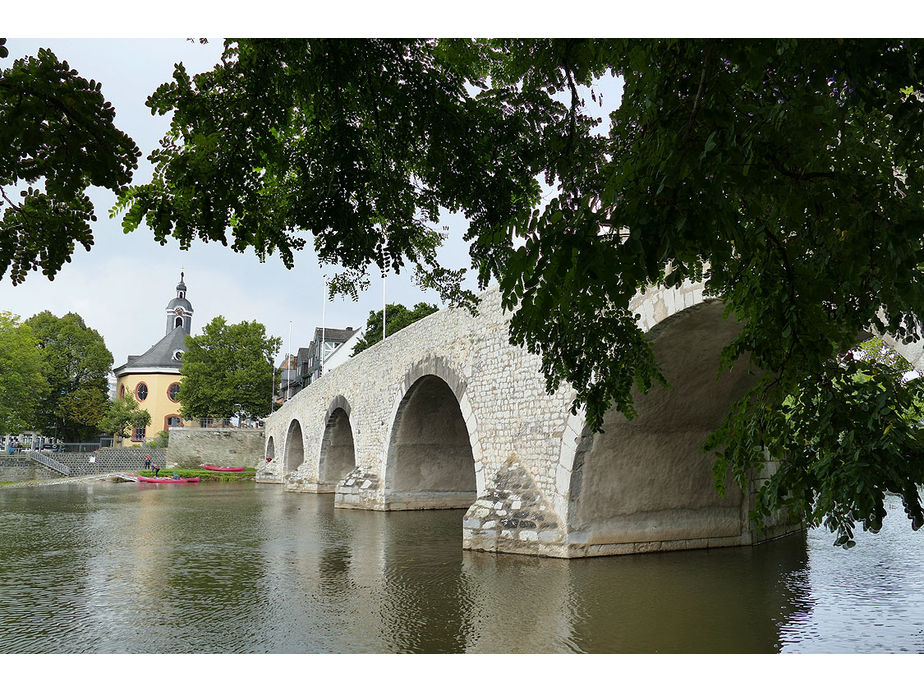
pixel 141 391
pixel 121 391
pixel 173 392
pixel 172 420
pixel 178 322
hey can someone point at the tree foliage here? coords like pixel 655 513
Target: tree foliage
pixel 22 377
pixel 228 370
pixel 123 415
pixel 57 139
pixel 76 365
pixel 397 317
pixel 786 174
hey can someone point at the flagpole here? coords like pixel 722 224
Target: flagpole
pixel 288 362
pixel 323 326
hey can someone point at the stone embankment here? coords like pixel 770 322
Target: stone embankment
pixel 99 462
pixel 109 460
pixel 90 478
pixel 223 447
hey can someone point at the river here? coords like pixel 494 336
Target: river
pixel 245 568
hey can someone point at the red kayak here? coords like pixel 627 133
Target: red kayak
pixel 222 469
pixel 167 480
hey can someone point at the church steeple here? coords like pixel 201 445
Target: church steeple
pixel 179 310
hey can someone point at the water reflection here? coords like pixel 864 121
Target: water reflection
pixel 243 568
pixel 865 599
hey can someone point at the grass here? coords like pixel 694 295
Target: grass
pixel 249 474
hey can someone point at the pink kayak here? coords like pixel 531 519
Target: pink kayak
pixel 167 480
pixel 222 469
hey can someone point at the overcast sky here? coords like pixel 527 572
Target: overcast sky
pixel 122 285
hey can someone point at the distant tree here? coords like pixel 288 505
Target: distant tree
pixel 228 370
pixel 397 317
pixel 22 377
pixel 57 139
pixel 124 415
pixel 76 365
pixel 161 440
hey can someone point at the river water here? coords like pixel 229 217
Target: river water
pixel 236 568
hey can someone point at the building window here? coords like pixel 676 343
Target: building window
pixel 141 391
pixel 121 391
pixel 172 420
pixel 138 435
pixel 173 392
pixel 178 323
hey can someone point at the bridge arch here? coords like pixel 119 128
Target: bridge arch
pixel 338 450
pixel 295 447
pixel 430 457
pixel 645 484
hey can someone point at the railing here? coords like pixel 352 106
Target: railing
pixel 46 461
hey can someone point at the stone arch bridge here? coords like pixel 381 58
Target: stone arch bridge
pixel 447 414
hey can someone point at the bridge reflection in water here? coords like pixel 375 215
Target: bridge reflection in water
pixel 225 568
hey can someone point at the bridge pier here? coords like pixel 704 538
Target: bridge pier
pixel 364 491
pixel 512 516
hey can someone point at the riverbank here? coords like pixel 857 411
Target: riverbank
pixel 205 475
pixel 84 479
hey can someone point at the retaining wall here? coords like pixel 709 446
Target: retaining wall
pixel 108 460
pixel 21 468
pixel 224 447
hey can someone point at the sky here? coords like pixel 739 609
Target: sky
pixel 122 285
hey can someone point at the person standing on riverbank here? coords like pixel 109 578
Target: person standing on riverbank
pixel 156 469
pixel 147 461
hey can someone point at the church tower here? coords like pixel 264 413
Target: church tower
pixel 179 310
pixel 153 378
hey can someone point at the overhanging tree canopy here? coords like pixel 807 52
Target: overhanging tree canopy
pixel 57 139
pixel 786 174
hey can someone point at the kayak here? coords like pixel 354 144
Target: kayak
pixel 222 469
pixel 168 480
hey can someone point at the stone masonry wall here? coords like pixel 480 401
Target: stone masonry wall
pixel 223 447
pixel 500 390
pixel 108 459
pixel 523 439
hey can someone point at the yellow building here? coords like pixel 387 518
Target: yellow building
pixel 153 378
